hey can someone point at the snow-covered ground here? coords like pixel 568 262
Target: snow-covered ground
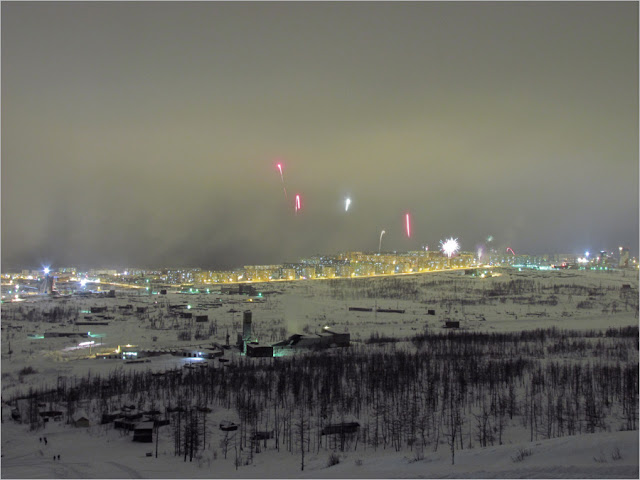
pixel 511 302
pixel 95 453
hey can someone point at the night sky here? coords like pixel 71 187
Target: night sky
pixel 147 134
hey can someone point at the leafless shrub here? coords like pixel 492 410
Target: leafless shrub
pixel 334 459
pixel 615 454
pixel 521 455
pixel 601 459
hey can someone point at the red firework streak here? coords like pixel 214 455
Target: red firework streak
pixel 408 225
pixel 297 205
pixel 279 165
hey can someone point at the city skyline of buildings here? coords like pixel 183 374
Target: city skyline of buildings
pixel 354 264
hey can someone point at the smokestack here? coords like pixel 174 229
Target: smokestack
pixel 246 329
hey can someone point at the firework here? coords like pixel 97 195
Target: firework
pixel 449 246
pixel 408 222
pixel 510 249
pixel 297 204
pixel 380 243
pixel 284 189
pixel 347 202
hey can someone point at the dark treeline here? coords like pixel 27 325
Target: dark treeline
pixel 456 390
pixel 519 290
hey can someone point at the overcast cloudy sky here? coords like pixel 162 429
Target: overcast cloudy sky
pixel 148 133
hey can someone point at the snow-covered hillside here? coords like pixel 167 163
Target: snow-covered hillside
pixel 85 453
pixel 586 309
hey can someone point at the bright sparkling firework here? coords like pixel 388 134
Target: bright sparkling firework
pixel 449 246
pixel 297 205
pixel 408 222
pixel 347 202
pixel 380 243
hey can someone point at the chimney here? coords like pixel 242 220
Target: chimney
pixel 246 329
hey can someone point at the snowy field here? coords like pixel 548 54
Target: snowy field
pixel 587 302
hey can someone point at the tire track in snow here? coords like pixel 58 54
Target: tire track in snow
pixel 134 473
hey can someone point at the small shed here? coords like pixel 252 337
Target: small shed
pixel 143 432
pixel 341 428
pixel 264 435
pixel 81 419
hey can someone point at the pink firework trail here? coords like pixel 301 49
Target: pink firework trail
pixel 279 165
pixel 408 225
pixel 297 206
pixel 510 249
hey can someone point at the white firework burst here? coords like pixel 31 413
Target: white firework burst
pixel 449 246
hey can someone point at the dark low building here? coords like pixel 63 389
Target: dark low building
pixel 341 428
pixel 317 341
pixel 65 334
pixel 254 349
pixel 143 432
pixel 262 435
pixel 55 414
pixel 227 426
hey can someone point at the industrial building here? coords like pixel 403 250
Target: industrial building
pixel 254 349
pixel 245 336
pixel 251 348
pixel 317 341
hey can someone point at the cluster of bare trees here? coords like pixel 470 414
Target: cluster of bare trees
pixel 458 389
pixel 55 314
pixel 460 290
